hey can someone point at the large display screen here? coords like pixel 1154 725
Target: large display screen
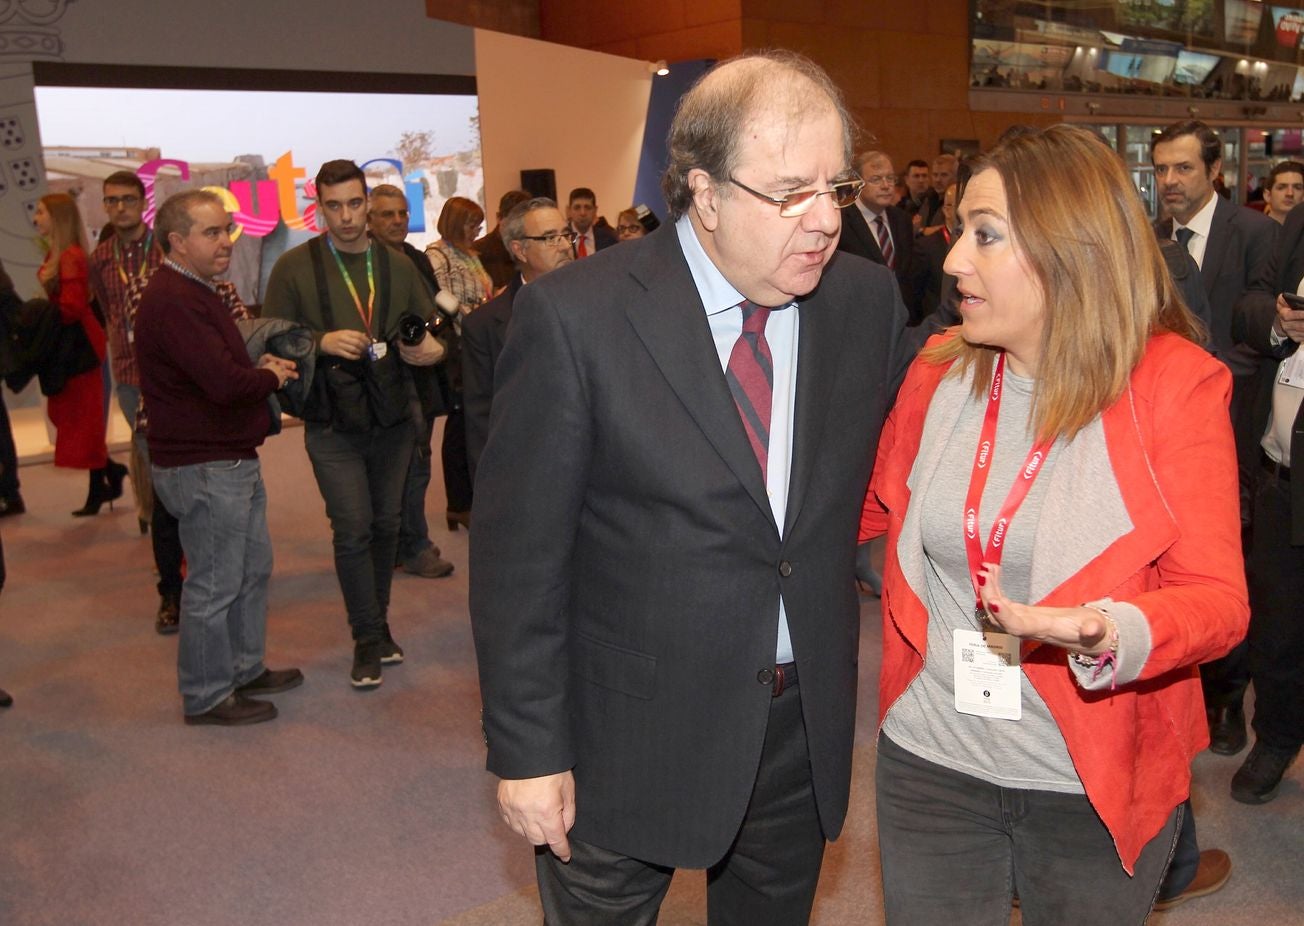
pixel 259 150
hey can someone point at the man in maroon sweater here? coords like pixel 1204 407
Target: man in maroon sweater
pixel 208 413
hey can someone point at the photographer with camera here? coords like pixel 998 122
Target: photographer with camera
pixel 387 222
pixel 358 428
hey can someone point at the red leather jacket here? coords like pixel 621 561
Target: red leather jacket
pixel 1171 450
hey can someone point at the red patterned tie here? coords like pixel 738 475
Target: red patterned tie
pixel 580 249
pixel 884 242
pixel 751 380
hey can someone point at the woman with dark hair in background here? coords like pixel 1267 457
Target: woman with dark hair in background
pixel 459 271
pixel 77 410
pixel 1058 486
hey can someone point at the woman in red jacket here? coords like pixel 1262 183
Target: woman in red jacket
pixel 1058 486
pixel 77 410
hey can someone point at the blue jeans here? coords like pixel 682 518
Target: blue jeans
pixel 954 849
pixel 361 480
pixel 413 531
pixel 222 510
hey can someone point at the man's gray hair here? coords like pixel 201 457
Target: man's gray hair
pixel 513 224
pixel 174 215
pixel 711 117
pixel 386 189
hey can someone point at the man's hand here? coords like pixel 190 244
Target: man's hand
pixel 540 809
pixel 1289 323
pixel 427 353
pixel 350 345
pixel 284 369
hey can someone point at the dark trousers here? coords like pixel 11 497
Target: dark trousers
pixel 955 848
pixel 165 537
pixel 457 470
pixel 8 456
pixel 768 876
pixel 413 531
pixel 1276 638
pixel 361 480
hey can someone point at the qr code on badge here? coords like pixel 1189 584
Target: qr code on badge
pixel 966 655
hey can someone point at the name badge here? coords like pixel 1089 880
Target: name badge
pixel 987 675
pixel 377 350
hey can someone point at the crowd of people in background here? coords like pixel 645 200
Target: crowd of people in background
pixel 597 402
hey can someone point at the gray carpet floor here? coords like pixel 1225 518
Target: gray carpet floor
pixel 350 807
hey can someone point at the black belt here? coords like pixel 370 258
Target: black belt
pixel 1274 469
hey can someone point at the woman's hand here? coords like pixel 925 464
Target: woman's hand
pixel 1080 629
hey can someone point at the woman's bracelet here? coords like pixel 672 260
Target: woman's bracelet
pixel 1108 658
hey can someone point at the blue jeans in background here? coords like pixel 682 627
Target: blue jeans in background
pixel 222 510
pixel 361 480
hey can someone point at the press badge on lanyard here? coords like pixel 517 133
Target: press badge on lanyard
pixel 377 349
pixel 986 661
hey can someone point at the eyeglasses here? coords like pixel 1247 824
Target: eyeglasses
pixel 554 238
pixel 112 202
pixel 629 229
pixel 844 193
pixel 876 179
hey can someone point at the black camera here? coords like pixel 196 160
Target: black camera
pixel 412 328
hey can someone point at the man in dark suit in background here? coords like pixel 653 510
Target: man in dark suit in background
pixel 661 571
pixel 876 229
pixel 1275 559
pixel 1232 246
pixel 536 236
pixel 582 212
pixel 497 260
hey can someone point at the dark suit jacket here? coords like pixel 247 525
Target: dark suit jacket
pixel 1237 253
pixel 494 255
pixel 858 238
pixel 483 333
pixel 625 565
pixel 925 275
pixel 1252 324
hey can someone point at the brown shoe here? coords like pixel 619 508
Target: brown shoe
pixel 168 619
pixel 272 681
pixel 1214 870
pixel 235 711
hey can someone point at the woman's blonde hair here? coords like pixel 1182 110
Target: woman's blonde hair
pixel 1078 221
pixel 65 232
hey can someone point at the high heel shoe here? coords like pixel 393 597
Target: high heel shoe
pixel 97 494
pixel 114 474
pixel 455 518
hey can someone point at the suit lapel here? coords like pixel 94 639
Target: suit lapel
pixel 862 231
pixel 818 354
pixel 671 322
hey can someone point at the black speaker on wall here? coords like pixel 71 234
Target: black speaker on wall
pixel 541 182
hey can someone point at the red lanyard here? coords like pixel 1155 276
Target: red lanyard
pixel 982 459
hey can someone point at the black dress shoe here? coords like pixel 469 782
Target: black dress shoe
pixel 1226 729
pixel 235 711
pixel 6 699
pixel 12 505
pixel 1259 776
pixel 272 681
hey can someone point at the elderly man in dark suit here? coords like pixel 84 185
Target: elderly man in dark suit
pixel 535 235
pixel 661 571
pixel 876 228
